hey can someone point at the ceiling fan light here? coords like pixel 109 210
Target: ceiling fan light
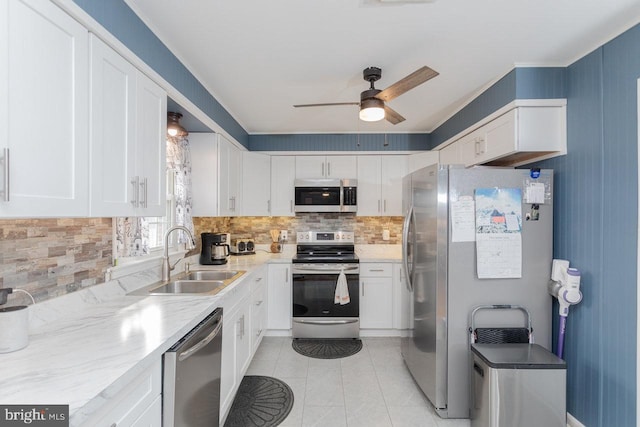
pixel 173 125
pixel 371 110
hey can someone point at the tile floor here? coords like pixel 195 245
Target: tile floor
pixel 371 388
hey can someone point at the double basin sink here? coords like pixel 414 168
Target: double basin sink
pixel 195 282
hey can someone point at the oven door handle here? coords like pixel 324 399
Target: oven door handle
pixel 323 269
pixel 326 322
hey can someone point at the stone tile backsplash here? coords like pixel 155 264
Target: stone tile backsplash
pixel 52 257
pixel 368 230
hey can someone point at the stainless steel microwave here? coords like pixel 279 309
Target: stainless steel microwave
pixel 326 195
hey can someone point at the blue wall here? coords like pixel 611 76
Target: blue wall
pixel 339 142
pixel 520 83
pixel 596 227
pixel 119 20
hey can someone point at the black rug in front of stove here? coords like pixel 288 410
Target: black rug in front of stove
pixel 260 402
pixel 327 348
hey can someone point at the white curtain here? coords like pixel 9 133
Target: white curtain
pixel 179 160
pixel 132 233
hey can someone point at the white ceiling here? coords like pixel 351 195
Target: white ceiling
pixel 259 57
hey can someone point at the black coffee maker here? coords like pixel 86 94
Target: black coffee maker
pixel 215 249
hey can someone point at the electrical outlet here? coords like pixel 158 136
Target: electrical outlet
pixel 284 235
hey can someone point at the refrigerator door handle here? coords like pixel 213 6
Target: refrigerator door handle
pixel 405 247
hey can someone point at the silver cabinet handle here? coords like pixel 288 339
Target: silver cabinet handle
pixel 269 206
pixel 322 169
pixel 242 318
pixel 384 205
pixel 258 279
pixel 258 333
pixel 286 277
pixel 378 205
pixel 135 182
pixel 5 160
pixel 114 425
pixel 143 199
pixel 377 270
pixel 290 205
pixel 259 303
pixel 362 284
pixel 328 169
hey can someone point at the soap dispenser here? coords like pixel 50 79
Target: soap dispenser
pixel 14 324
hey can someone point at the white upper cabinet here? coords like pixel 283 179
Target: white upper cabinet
pixel 450 155
pixel 421 160
pixel 44 111
pixel 256 184
pixel 128 140
pixel 339 167
pixel 230 178
pixel 216 175
pixel 283 175
pixel 204 173
pixel 380 185
pixel 519 136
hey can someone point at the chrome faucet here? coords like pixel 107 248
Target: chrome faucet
pixel 166 265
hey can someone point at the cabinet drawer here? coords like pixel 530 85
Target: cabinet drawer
pixel 376 269
pixel 232 297
pixel 258 296
pixel 125 406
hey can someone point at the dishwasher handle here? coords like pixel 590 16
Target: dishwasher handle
pixel 206 340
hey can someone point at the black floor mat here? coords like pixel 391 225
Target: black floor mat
pixel 260 402
pixel 327 348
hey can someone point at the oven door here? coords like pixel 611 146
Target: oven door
pixel 315 315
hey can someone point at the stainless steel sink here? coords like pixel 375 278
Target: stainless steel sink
pixel 214 275
pixel 188 287
pixel 200 282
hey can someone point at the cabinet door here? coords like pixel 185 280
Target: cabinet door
pixel 403 300
pixel 235 180
pixel 450 155
pixel 44 111
pixel 369 200
pixel 283 175
pixel 498 138
pixel 152 416
pixel 113 152
pixel 393 169
pixel 229 381
pixel 256 184
pixel 279 306
pixel 341 167
pixel 310 167
pixel 376 303
pixel 151 154
pixel 204 173
pixel 421 160
pixel 243 347
pixel 225 198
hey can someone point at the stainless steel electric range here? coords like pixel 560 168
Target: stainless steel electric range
pixel 320 258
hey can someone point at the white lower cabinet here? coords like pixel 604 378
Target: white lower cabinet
pixel 236 344
pixel 258 307
pixel 403 300
pixel 376 296
pixel 279 297
pixel 138 404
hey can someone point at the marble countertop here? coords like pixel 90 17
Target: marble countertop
pixel 86 346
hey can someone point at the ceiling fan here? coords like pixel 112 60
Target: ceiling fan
pixel 372 101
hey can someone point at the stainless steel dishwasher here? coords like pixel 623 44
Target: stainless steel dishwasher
pixel 191 381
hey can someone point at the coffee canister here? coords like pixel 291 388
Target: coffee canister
pixel 14 328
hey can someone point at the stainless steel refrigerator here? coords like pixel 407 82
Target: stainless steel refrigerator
pixel 447 213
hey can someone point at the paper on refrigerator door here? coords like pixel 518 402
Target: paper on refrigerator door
pixel 463 220
pixel 498 233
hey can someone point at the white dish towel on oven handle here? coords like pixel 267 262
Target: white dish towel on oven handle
pixel 342 290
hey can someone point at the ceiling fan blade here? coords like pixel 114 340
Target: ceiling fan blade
pixel 414 79
pixel 392 115
pixel 326 105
